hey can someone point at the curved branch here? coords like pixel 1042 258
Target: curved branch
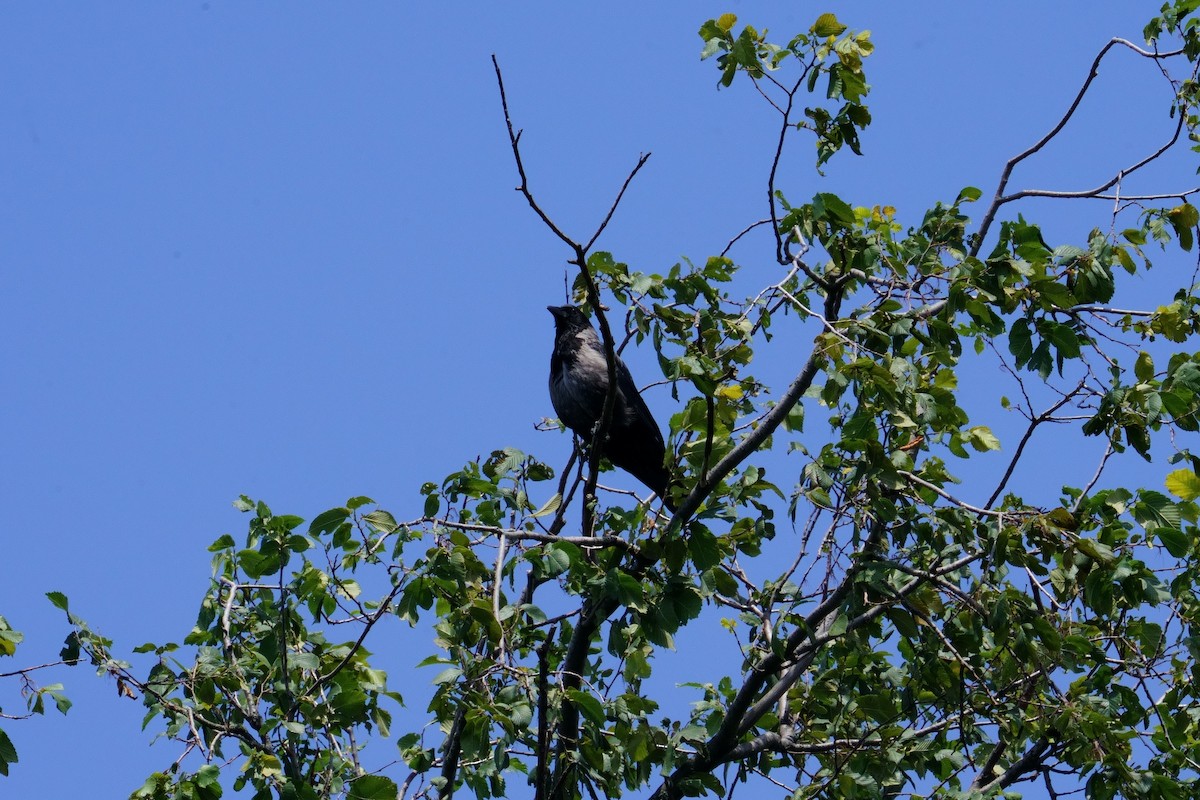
pixel 1097 192
pixel 1026 763
pixel 642 159
pixel 769 423
pixel 514 139
pixel 999 199
pixel 746 230
pixel 1045 416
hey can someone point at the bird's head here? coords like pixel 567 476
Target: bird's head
pixel 568 319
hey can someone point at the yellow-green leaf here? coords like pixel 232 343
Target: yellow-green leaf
pixel 1097 550
pixel 1184 483
pixel 1062 518
pixel 1143 368
pixel 827 25
pixel 1185 215
pixel 730 391
pixel 982 438
pixel 726 22
pixel 550 506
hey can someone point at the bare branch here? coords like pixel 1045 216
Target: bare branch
pixel 942 493
pixel 746 230
pixel 514 141
pixel 1045 416
pixel 642 159
pixel 26 670
pixel 999 199
pixel 1097 192
pixel 1164 196
pixel 1018 769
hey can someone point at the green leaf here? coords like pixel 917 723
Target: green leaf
pixel 288 521
pixel 1156 507
pixel 1063 518
pixel 1097 550
pixel 381 521
pixel 8 753
pixel 982 438
pixel 702 546
pixel 827 25
pixel 1143 368
pixel 969 194
pixel 1065 340
pixel 58 599
pixel 1184 484
pixel 448 675
pixel 303 661
pixel 625 588
pixel 223 542
pixel 71 648
pixel 550 506
pixel 588 705
pixel 726 22
pixel 328 521
pixel 1175 540
pixel 712 34
pixel 1187 375
pixel 1041 360
pixel 556 559
pixel 1020 341
pixel 835 209
pixel 373 787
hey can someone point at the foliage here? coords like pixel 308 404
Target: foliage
pixel 33 694
pixel 927 630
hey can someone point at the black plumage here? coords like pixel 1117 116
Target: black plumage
pixel 578 385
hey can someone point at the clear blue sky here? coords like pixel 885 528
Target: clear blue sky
pixel 277 251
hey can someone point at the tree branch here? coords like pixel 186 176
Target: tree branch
pixel 999 198
pixel 514 138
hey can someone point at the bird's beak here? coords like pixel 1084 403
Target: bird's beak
pixel 557 311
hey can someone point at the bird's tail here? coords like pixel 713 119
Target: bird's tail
pixel 658 480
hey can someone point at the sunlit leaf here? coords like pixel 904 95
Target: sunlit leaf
pixel 1184 484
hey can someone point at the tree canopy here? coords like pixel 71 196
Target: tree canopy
pixel 905 623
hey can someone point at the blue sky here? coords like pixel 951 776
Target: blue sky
pixel 271 251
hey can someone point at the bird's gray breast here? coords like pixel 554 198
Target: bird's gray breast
pixel 578 384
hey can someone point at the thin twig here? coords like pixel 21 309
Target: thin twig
pixel 1033 424
pixel 999 199
pixel 514 138
pixel 642 159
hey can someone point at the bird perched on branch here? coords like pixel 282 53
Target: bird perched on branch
pixel 578 386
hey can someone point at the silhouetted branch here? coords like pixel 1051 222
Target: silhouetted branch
pixel 542 773
pixel 642 159
pixel 514 139
pixel 453 749
pixel 1033 424
pixel 1000 198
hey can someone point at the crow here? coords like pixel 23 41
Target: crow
pixel 578 386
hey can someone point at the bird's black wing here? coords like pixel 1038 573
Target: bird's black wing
pixel 635 443
pixel 636 406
